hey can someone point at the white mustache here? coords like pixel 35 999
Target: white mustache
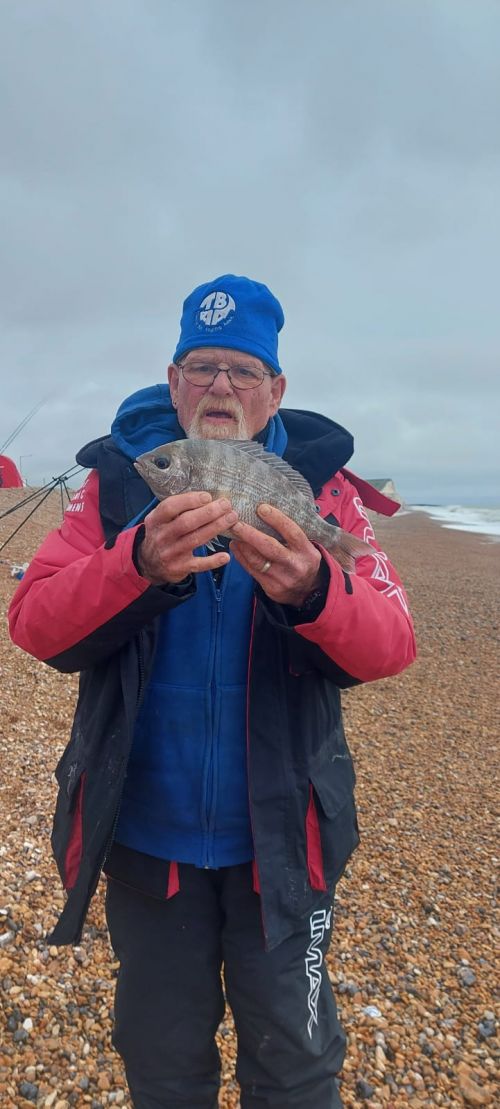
pixel 229 405
pixel 231 408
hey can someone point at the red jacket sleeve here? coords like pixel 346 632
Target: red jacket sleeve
pixel 78 592
pixel 365 627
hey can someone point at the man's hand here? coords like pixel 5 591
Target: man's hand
pixel 294 569
pixel 174 528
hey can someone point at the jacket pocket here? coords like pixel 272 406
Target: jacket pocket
pixel 68 773
pixel 332 832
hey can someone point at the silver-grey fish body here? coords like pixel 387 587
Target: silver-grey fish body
pixel 248 476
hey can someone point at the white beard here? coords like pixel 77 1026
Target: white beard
pixel 236 429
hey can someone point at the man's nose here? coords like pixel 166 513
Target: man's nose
pixel 221 385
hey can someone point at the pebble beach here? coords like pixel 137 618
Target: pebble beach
pixel 412 958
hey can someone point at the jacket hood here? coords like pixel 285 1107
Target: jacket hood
pixel 317 446
pixel 143 421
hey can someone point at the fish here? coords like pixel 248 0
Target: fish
pixel 248 475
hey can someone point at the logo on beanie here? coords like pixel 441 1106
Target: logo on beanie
pixel 215 311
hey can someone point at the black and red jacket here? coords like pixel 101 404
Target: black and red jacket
pixel 82 605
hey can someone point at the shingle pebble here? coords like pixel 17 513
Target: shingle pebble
pixel 364 1089
pixel 29 1090
pixel 486 1028
pixel 466 976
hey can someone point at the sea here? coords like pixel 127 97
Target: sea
pixel 458 517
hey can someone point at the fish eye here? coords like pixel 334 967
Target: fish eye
pixel 161 462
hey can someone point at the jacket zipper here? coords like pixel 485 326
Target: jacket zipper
pixel 250 653
pixel 210 799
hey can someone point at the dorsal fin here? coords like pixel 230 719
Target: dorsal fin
pixel 258 452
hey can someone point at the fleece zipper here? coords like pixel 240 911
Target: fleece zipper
pixel 211 768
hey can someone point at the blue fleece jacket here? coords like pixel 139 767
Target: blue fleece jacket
pixel 186 791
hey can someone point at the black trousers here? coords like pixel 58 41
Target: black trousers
pixel 170 1001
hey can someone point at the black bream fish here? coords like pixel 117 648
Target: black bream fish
pixel 248 476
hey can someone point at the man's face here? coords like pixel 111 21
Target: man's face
pixel 219 411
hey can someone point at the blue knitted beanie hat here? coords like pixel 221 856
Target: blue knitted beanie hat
pixel 232 312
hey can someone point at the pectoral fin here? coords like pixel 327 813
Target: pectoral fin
pixel 346 548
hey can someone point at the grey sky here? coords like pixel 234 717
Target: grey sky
pixel 346 152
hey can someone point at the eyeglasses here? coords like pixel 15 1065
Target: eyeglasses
pixel 204 374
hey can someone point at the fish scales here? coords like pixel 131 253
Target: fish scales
pixel 247 479
pixel 248 475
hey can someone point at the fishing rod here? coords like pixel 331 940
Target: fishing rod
pixel 59 482
pixel 62 478
pixel 23 522
pixel 26 419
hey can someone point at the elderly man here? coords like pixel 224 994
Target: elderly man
pixel 208 772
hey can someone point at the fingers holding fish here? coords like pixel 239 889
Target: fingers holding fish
pixel 178 503
pixel 188 510
pixel 287 574
pixel 166 552
pixel 199 524
pixel 294 537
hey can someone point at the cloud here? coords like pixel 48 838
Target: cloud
pixel 346 153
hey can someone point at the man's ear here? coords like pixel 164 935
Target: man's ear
pixel 278 386
pixel 173 381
